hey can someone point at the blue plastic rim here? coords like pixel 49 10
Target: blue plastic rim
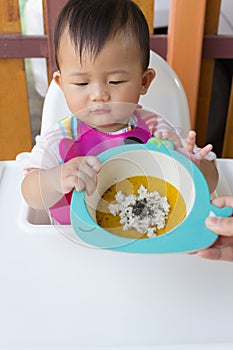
pixel 190 235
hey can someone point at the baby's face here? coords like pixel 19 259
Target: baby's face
pixel 104 86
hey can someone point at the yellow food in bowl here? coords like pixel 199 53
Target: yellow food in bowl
pixel 130 186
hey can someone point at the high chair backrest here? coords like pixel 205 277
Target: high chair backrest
pixel 166 97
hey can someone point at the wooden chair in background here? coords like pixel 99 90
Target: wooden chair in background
pixel 14 110
pixel 193 47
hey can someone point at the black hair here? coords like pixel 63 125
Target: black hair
pixel 90 23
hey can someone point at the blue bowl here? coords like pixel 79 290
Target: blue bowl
pixel 156 158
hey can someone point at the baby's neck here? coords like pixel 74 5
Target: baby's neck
pixel 112 128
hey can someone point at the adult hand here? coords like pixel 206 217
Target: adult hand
pixel 222 249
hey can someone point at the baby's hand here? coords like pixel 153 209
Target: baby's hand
pixel 187 148
pixel 169 135
pixel 80 173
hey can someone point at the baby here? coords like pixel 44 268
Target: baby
pixel 102 54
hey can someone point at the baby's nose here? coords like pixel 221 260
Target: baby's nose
pixel 100 94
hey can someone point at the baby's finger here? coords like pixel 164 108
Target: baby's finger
pixel 90 166
pixel 203 152
pixel 71 182
pixel 175 139
pixel 79 184
pixel 190 141
pixel 93 162
pixel 169 135
pixel 73 173
pixel 88 182
pixel 158 134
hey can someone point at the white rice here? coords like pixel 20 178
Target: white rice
pixel 146 212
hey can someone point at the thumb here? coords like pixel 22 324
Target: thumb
pixel 222 226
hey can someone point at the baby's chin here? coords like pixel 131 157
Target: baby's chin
pixel 110 127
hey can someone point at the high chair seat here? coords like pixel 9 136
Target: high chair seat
pixel 166 97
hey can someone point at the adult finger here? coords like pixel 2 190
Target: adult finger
pixel 222 226
pixel 223 253
pixel 223 201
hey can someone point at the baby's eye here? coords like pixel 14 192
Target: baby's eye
pixel 81 84
pixel 116 82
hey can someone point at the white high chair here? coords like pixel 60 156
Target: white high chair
pixel 57 294
pixel 166 97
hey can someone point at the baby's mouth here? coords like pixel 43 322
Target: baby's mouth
pixel 101 109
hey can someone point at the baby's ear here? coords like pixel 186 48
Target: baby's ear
pixel 147 78
pixel 57 78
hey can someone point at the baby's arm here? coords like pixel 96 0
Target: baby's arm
pixel 43 188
